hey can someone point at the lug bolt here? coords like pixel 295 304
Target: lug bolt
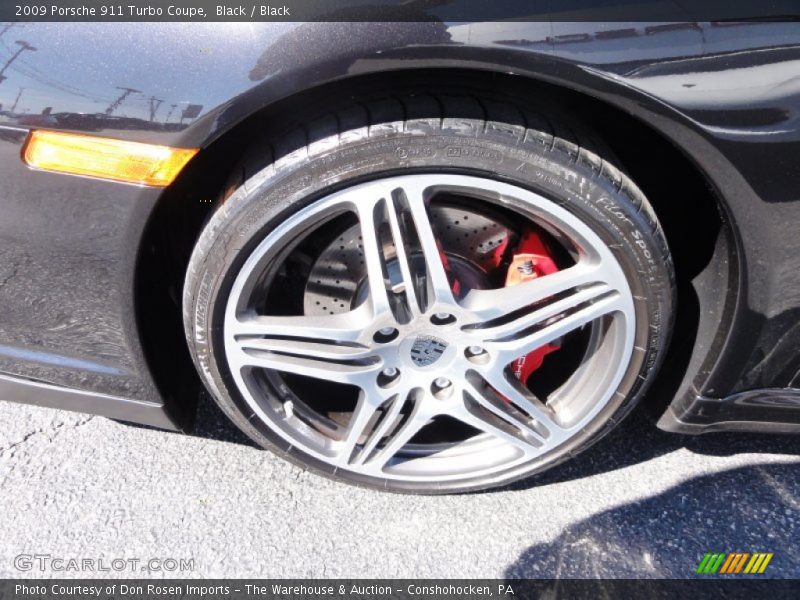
pixel 385 335
pixel 442 388
pixel 442 318
pixel 388 377
pixel 477 355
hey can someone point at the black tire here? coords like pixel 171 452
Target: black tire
pixel 550 156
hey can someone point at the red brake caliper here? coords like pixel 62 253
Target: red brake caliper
pixel 531 260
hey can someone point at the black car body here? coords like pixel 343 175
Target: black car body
pixel 705 116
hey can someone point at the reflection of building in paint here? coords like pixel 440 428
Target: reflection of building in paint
pixel 696 66
pixel 191 111
pixel 625 43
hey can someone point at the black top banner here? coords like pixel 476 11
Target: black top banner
pixel 399 10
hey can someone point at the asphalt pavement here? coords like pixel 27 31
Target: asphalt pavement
pixel 641 503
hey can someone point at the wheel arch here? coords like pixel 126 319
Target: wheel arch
pixel 704 264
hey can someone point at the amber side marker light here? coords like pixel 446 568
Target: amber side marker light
pixel 106 158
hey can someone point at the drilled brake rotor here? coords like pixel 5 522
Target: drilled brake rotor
pixel 469 238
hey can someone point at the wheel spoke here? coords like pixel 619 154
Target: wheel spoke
pixel 395 226
pixel 307 348
pixel 529 429
pixel 419 238
pixel 490 305
pixel 381 418
pixel 510 325
pixel 396 434
pixel 487 414
pixel 516 402
pixel 365 412
pixel 341 328
pixel 355 373
pixel 320 347
pixel 371 218
pixel 404 243
pixel 533 334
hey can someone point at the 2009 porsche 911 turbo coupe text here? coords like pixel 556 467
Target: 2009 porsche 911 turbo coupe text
pixel 418 256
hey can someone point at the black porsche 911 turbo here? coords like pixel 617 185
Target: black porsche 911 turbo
pixel 415 255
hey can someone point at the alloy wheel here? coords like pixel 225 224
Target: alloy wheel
pixel 395 360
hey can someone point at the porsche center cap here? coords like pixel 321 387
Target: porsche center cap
pixel 426 350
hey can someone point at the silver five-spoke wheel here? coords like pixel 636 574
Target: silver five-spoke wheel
pixel 420 300
pixel 418 350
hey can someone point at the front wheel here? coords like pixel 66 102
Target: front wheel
pixel 430 305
